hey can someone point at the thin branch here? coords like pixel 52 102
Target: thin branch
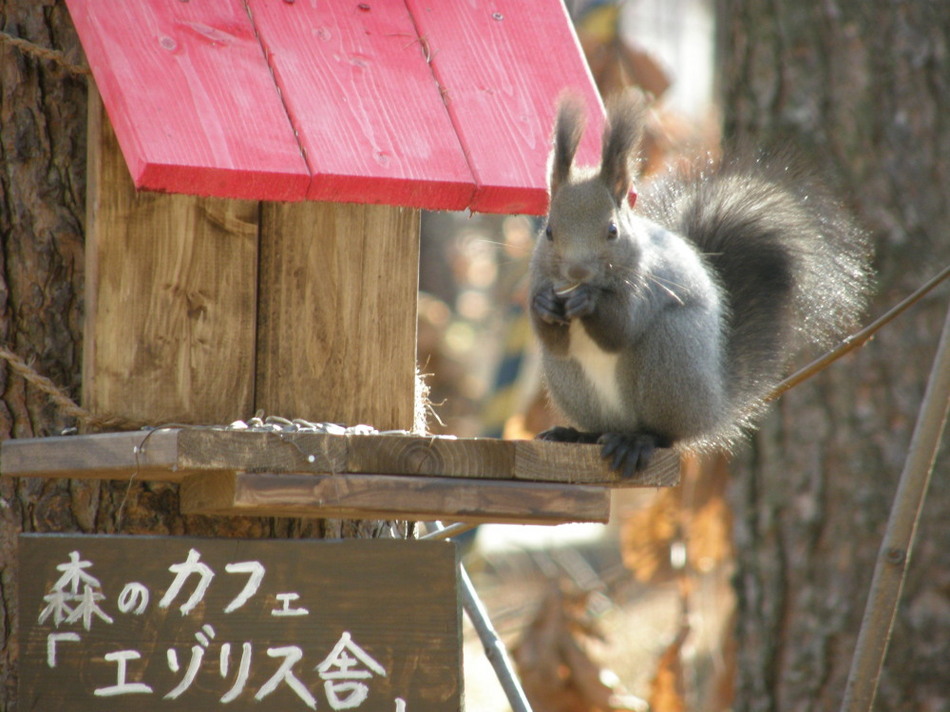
pixel 894 555
pixel 495 649
pixel 449 531
pixel 858 339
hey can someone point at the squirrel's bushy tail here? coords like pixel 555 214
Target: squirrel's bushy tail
pixel 792 264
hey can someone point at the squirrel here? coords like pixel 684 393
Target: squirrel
pixel 669 326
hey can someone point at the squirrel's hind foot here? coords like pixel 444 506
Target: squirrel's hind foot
pixel 561 434
pixel 630 453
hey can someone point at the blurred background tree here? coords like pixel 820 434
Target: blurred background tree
pixel 864 86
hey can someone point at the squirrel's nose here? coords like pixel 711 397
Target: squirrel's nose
pixel 579 273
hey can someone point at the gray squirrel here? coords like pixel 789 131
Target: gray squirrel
pixel 670 327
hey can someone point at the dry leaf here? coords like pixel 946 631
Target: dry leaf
pixel 554 662
pixel 694 515
pixel 666 689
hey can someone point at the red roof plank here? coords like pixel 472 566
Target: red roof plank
pixel 364 102
pixel 502 65
pixel 191 98
pixel 439 105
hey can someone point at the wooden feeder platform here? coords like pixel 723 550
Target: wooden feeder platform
pixel 353 476
pixel 256 174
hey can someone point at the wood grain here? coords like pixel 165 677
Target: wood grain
pixel 261 452
pixel 361 96
pixel 171 282
pixel 149 455
pixel 192 98
pixel 537 460
pixel 501 66
pixel 414 455
pixel 337 317
pixel 188 451
pixel 373 496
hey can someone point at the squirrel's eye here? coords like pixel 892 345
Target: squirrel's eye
pixel 612 231
pixel 548 232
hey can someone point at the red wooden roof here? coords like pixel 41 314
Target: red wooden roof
pixel 438 104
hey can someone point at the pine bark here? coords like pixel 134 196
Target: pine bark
pixel 864 85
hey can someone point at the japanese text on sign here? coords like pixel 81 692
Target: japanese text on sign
pixel 223 631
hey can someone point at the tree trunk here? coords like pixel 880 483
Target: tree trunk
pixel 865 84
pixel 42 208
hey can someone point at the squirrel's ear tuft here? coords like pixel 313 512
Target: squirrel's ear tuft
pixel 621 143
pixel 568 129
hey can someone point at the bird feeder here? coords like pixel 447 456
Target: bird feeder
pixel 256 175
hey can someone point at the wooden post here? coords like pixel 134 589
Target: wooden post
pixel 174 302
pixel 171 283
pixel 337 319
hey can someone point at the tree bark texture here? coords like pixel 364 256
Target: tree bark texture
pixel 865 86
pixel 42 212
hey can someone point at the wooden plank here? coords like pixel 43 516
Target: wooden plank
pixel 501 66
pixel 199 450
pixel 151 455
pixel 261 452
pixel 171 283
pixel 192 98
pixel 537 459
pixel 355 80
pixel 414 455
pixel 388 607
pixel 441 106
pixel 375 496
pixel 337 319
pixel 483 458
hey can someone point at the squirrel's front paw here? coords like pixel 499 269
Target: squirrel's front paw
pixel 580 302
pixel 549 308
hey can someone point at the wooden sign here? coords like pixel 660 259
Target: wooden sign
pixel 174 623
